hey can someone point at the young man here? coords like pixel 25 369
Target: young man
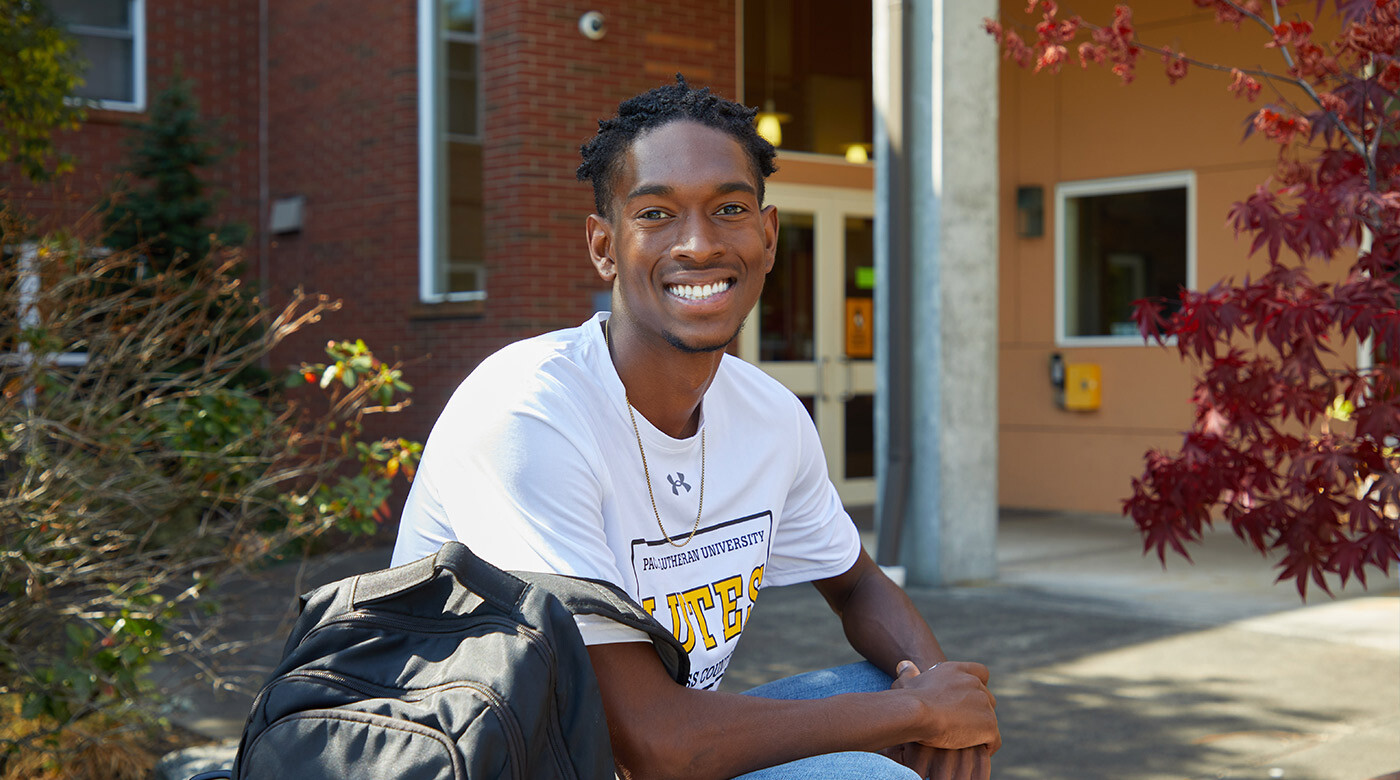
pixel 634 449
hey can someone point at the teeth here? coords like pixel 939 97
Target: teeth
pixel 697 292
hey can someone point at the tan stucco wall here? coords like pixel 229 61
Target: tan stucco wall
pixel 1086 125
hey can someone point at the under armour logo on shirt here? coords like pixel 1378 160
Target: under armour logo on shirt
pixel 678 482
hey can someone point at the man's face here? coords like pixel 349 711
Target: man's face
pixel 688 245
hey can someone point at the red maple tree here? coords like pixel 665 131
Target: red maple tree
pixel 1296 449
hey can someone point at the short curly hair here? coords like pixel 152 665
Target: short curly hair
pixel 603 154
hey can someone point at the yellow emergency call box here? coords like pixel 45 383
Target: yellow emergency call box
pixel 860 327
pixel 1083 387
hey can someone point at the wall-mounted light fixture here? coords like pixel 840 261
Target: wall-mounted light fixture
pixel 1030 211
pixel 770 123
pixel 857 153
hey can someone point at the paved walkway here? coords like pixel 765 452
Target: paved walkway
pixel 1104 665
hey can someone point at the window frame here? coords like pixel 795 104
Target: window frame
pixel 136 10
pixel 432 153
pixel 474 38
pixel 1064 191
pixel 26 256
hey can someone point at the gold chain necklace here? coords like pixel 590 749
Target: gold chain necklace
pixel 646 473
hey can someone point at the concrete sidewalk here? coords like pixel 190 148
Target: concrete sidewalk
pixel 1105 665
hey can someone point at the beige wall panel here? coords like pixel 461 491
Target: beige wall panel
pixel 1219 253
pixel 1028 160
pixel 1074 473
pixel 1035 288
pixel 825 171
pixel 1144 389
pixel 1008 267
pixel 1008 173
pixel 1107 129
pixel 1026 396
pixel 1146 13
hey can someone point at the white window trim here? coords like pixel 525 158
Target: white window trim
pixel 432 138
pixel 137 10
pixel 456 36
pixel 1078 189
pixel 28 313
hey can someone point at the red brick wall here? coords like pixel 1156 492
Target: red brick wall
pixel 215 44
pixel 342 133
pixel 344 124
pixel 546 87
pixel 342 119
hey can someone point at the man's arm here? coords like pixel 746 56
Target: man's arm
pixel 880 621
pixel 661 729
pixel 884 626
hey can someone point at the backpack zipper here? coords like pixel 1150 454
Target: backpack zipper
pixel 458 771
pixel 515 738
pixel 365 618
pixel 555 731
pixel 426 625
pixel 419 624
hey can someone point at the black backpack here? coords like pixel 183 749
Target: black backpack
pixel 442 669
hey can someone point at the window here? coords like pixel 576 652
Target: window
pixel 111 36
pixel 1118 240
pixel 452 258
pixel 25 258
pixel 462 36
pixel 807 68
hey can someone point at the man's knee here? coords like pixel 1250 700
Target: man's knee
pixel 853 765
pixel 860 677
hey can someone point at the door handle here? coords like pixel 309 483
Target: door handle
pixel 846 393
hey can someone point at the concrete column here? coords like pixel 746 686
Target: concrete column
pixel 936 266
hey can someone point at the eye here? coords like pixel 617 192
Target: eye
pixel 653 214
pixel 732 209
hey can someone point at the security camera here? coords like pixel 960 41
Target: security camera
pixel 591 25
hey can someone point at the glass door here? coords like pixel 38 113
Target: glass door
pixel 813 329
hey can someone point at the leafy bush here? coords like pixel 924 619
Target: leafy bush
pixel 137 474
pixel 39 68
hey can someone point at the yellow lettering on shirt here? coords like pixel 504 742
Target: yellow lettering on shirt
pixel 678 616
pixel 697 600
pixel 730 590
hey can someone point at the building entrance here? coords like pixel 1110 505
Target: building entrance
pixel 813 328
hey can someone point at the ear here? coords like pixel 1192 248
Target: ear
pixel 600 247
pixel 769 216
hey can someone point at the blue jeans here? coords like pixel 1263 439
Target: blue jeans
pixel 860 677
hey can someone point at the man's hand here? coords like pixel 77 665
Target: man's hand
pixel 974 763
pixel 961 693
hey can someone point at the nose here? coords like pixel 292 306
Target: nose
pixel 696 241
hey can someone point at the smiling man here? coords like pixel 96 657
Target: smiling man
pixel 634 449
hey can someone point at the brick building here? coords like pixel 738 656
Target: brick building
pixel 448 230
pixel 442 210
pixel 415 159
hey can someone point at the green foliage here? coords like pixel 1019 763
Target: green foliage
pixel 39 68
pixel 137 471
pixel 165 207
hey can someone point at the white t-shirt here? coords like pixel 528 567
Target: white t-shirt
pixel 534 465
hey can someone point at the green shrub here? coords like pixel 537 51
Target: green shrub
pixel 137 472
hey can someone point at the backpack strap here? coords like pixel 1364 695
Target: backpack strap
pixel 583 596
pixel 493 585
pixel 504 590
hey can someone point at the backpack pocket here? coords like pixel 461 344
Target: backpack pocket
pixel 343 722
pixel 344 743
